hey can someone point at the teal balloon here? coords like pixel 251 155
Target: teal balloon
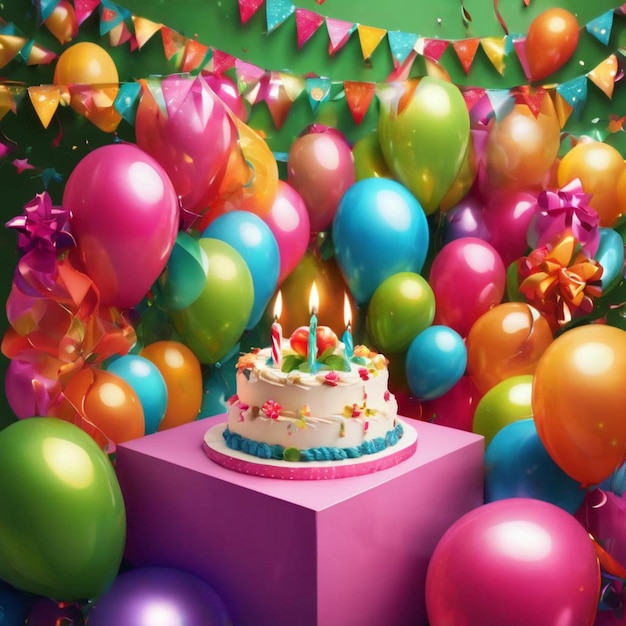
pixel 14 606
pixel 610 255
pixel 402 306
pixel 183 280
pixel 253 239
pixel 219 385
pixel 62 515
pixel 379 229
pixel 148 383
pixel 435 361
pixel 517 465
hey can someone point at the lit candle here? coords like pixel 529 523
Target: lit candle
pixel 277 332
pixel 311 353
pixel 348 350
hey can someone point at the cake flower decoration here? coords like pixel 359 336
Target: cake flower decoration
pixel 272 409
pixel 560 280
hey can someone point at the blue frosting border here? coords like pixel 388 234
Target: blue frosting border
pixel 280 453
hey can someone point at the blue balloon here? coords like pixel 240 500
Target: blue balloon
pixel 610 255
pixel 147 382
pixel 517 465
pixel 14 606
pixel 253 239
pixel 379 229
pixel 435 361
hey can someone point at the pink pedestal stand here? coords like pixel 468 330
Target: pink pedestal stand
pixel 349 551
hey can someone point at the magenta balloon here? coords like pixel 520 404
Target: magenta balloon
pixel 518 561
pixel 124 219
pixel 465 219
pixel 27 391
pixel 468 278
pixel 320 168
pixel 455 408
pixel 288 220
pixel 226 90
pixel 191 138
pixel 507 218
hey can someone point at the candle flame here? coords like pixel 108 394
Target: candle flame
pixel 347 310
pixel 314 299
pixel 278 305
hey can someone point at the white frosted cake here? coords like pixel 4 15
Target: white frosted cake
pixel 341 410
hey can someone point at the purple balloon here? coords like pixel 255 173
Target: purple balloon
pixel 465 219
pixel 176 597
pixel 517 561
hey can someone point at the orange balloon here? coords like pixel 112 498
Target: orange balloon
pixel 90 73
pixel 521 147
pixel 506 341
pixel 181 371
pixel 62 22
pixel 105 400
pixel 598 166
pixel 578 401
pixel 551 40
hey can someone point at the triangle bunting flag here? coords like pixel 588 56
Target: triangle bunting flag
pixel 358 97
pixel 307 24
pixel 370 38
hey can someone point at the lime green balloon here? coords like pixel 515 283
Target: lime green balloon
pixel 512 284
pixel 424 135
pixel 506 402
pixel 213 323
pixel 369 161
pixel 402 306
pixel 62 516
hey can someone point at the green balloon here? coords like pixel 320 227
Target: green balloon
pixel 369 161
pixel 62 516
pixel 506 402
pixel 402 306
pixel 213 324
pixel 424 134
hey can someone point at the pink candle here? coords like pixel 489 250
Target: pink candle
pixel 277 332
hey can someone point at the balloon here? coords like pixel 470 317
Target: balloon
pixel 578 401
pixel 435 362
pixel 464 179
pixel 219 386
pixel 521 147
pixel 507 218
pixel 517 465
pixel 506 402
pixel 89 72
pixel 172 595
pixel 149 385
pixel 182 374
pixel 14 606
pixel 380 229
pixel 598 166
pixel 62 22
pixel 46 612
pixel 214 322
pixel 467 277
pixel 288 220
pixel 551 40
pixel 23 386
pixel 107 401
pixel 226 90
pixel 424 134
pixel 402 306
pixel 253 239
pixel 191 136
pixel 62 513
pixel 466 219
pixel 321 169
pixel 610 255
pixel 506 341
pixel 369 160
pixel 517 562
pixel 455 408
pixel 124 218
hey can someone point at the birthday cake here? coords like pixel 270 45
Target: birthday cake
pixel 341 408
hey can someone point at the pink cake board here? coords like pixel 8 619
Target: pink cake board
pixel 349 552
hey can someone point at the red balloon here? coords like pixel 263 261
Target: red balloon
pixel 552 39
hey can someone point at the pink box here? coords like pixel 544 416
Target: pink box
pixel 340 552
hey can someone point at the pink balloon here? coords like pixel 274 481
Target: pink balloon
pixel 320 168
pixel 517 561
pixel 124 219
pixel 288 220
pixel 468 278
pixel 455 408
pixel 191 137
pixel 226 90
pixel 28 392
pixel 507 217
